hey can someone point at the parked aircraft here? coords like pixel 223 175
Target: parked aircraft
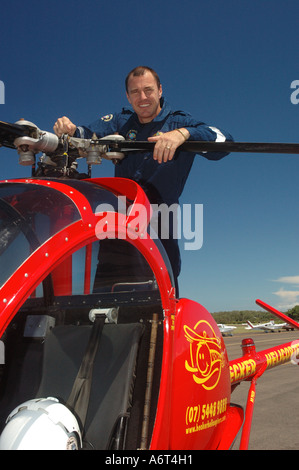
pixel 226 329
pixel 270 326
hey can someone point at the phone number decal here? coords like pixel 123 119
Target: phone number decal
pixel 200 417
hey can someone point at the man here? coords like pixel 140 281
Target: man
pixel 163 173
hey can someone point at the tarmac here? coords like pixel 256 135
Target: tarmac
pixel 275 422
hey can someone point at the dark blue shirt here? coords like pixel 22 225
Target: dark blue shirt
pixel 162 182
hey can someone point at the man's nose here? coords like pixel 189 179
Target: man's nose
pixel 142 95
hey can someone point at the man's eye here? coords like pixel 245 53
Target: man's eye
pixel 147 91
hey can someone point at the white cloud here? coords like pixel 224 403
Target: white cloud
pixel 288 298
pixel 288 279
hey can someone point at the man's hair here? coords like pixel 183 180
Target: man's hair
pixel 140 70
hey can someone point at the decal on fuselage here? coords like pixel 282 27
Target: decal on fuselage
pixel 206 355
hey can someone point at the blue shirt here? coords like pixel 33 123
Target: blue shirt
pixel 162 182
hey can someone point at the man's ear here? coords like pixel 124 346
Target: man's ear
pixel 160 91
pixel 128 97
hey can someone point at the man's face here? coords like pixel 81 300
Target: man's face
pixel 144 96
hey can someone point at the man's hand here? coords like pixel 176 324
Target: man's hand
pixel 63 125
pixel 166 144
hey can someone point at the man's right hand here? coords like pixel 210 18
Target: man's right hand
pixel 63 125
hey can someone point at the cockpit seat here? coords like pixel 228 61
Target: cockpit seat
pixel 113 375
pixel 49 369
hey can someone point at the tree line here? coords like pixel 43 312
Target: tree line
pixel 254 316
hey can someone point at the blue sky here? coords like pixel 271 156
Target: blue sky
pixel 230 64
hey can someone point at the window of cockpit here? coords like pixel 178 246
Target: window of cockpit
pixel 111 266
pixel 29 215
pixel 44 209
pixel 14 246
pixel 122 268
pixel 101 267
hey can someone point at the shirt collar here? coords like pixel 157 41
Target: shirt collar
pixel 165 110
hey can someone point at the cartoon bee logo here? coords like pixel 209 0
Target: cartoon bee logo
pixel 206 356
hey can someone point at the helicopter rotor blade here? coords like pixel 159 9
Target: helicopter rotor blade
pixel 9 132
pixel 204 146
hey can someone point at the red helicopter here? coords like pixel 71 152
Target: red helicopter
pixel 99 352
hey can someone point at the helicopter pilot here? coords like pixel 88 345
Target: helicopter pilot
pixel 162 173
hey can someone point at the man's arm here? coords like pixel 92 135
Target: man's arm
pixel 106 125
pixel 199 131
pixel 186 127
pixel 166 144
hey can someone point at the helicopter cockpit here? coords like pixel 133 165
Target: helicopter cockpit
pixel 62 276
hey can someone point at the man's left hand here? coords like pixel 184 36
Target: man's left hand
pixel 166 144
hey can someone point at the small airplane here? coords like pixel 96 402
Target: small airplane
pixel 97 352
pixel 269 326
pixel 226 329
